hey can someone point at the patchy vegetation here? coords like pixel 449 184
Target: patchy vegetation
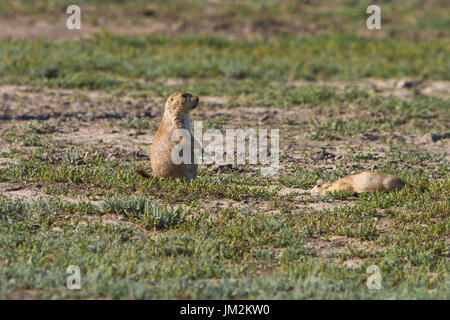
pixel 110 61
pixel 232 233
pixel 77 118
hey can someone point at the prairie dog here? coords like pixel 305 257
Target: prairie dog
pixel 176 116
pixel 362 182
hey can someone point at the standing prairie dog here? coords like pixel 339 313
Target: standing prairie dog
pixel 362 182
pixel 176 116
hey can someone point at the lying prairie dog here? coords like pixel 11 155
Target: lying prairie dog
pixel 361 182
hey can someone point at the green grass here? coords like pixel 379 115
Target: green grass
pixel 140 209
pixel 182 258
pixel 110 61
pixel 111 176
pixel 434 21
pixel 160 239
pixel 29 133
pixel 169 240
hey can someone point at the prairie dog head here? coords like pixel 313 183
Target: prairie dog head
pixel 321 188
pixel 180 103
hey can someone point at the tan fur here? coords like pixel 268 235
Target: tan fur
pixel 362 182
pixel 176 116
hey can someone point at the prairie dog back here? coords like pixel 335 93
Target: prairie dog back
pixel 362 182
